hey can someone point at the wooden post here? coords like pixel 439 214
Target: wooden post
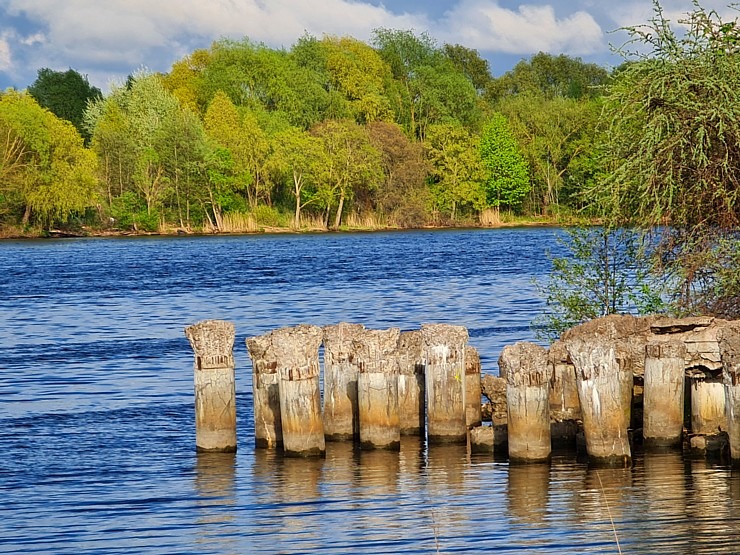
pixel 410 383
pixel 707 404
pixel 604 389
pixel 215 391
pixel 377 387
pixel 268 432
pixel 297 354
pixel 341 411
pixel 528 401
pixel 729 349
pixel 444 358
pixel 664 393
pixel 473 395
pixel 565 408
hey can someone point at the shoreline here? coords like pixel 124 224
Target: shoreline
pixel 80 233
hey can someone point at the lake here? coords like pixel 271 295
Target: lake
pixel 97 425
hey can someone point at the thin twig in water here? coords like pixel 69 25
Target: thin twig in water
pixel 435 530
pixel 609 512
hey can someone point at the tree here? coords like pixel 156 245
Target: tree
pixel 65 94
pixel 300 156
pixel 239 132
pixel 139 132
pixel 429 88
pixel 352 165
pixel 552 77
pixel 361 75
pixel 555 134
pixel 46 171
pixel 468 62
pixel 603 272
pixel 507 182
pixel 672 133
pixel 457 173
pixel 402 194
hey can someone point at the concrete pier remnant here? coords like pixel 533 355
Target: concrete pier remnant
pixel 663 397
pixel 444 360
pixel 377 389
pixel 729 348
pixel 297 355
pixel 341 411
pixel 215 390
pixel 565 408
pixel 528 401
pixel 708 407
pixel 268 432
pixel 605 380
pixel 411 395
pixel 473 395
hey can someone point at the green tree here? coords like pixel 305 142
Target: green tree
pixel 429 87
pixel 66 94
pixel 672 133
pixel 239 132
pixel 46 171
pixel 552 77
pixel 555 135
pixel 457 173
pixel 507 182
pixel 603 272
pixel 298 156
pixel 353 164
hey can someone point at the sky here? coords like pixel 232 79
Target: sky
pixel 106 40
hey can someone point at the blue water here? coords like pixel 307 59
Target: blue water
pixel 97 427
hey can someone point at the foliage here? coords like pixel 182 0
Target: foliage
pixel 457 173
pixel 551 76
pixel 507 180
pixel 672 129
pixel 66 94
pixel 556 136
pixel 45 169
pixel 602 272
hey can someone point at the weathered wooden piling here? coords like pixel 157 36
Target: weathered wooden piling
pixel 377 389
pixel 444 361
pixel 708 407
pixel 473 393
pixel 297 355
pixel 341 411
pixel 528 401
pixel 215 390
pixel 410 383
pixel 268 432
pixel 565 408
pixel 663 396
pixel 729 348
pixel 604 388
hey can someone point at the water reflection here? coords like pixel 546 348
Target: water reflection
pixel 527 492
pixel 215 484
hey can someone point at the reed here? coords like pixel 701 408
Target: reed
pixel 365 220
pixel 238 222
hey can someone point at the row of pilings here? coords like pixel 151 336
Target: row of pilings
pixel 668 383
pixel 377 386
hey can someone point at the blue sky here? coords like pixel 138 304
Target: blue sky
pixel 109 39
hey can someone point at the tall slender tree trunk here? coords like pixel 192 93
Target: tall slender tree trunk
pixel 298 186
pixel 338 215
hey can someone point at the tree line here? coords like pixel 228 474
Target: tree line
pixel 400 131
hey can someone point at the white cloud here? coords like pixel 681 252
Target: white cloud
pixel 6 62
pixel 487 26
pixel 36 38
pixel 116 36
